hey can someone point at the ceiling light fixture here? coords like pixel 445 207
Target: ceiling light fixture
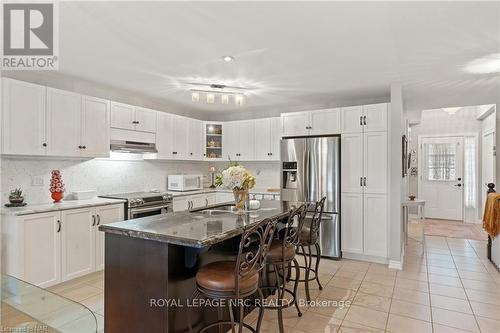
pixel 227 58
pixel 195 96
pixel 214 91
pixel 210 98
pixel 451 110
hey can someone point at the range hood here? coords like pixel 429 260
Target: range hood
pixel 126 141
pixel 124 146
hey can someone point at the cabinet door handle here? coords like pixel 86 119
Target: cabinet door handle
pixel 361 120
pixel 84 147
pixel 360 181
pixel 364 120
pixel 44 144
pixel 80 147
pixel 58 225
pixel 190 153
pixel 98 219
pixel 174 153
pixel 206 202
pixel 364 181
pixel 93 220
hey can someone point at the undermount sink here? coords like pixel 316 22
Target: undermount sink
pixel 224 209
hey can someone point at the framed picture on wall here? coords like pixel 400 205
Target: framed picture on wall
pixel 405 160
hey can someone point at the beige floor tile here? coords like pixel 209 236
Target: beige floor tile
pixel 450 303
pixel 412 296
pixel 373 302
pixel 350 327
pixel 382 269
pixel 445 280
pixel 269 326
pixel 439 289
pixel 375 289
pixel 483 297
pixel 441 263
pixel 488 286
pixel 400 324
pixel 486 310
pixel 475 276
pixel 454 319
pixel 471 267
pixel 412 284
pixel 290 316
pixel 355 275
pixel 488 325
pixel 422 276
pixel 95 303
pixel 330 308
pixel 337 294
pixel 81 292
pixel 380 279
pixel 435 256
pixel 315 323
pixel 464 259
pixel 443 271
pixel 356 265
pixel 368 317
pixel 412 310
pixel 346 283
pixel 446 329
pixel 439 251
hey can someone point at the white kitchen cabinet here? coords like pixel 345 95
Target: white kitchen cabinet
pixel 351 162
pixel 375 162
pixel 211 199
pixel 375 225
pixel 324 122
pixel 78 242
pixel 122 116
pixel 376 117
pixel 104 215
pixel 180 141
pixel 64 122
pixel 145 120
pixel 180 204
pixel 267 139
pixel 352 119
pixel 239 140
pixel 48 248
pixel 198 201
pixel 195 139
pixel 224 197
pixel 295 123
pixel 352 222
pixel 95 127
pixel 164 135
pixel 23 118
pixel 187 202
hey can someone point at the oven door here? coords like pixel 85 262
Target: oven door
pixel 135 213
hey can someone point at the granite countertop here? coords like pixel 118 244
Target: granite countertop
pixel 196 229
pixel 63 205
pixel 219 190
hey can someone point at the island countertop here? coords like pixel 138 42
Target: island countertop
pixel 197 229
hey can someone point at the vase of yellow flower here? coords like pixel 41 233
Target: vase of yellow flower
pixel 239 180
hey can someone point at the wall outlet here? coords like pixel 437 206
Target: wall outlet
pixel 37 181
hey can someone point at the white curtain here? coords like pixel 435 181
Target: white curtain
pixel 441 161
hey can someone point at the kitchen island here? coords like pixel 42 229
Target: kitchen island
pixel 151 264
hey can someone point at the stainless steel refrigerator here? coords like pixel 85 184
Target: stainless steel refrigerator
pixel 310 170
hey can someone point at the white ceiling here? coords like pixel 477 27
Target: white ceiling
pixel 294 54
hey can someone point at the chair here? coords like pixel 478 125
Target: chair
pixel 280 256
pixel 233 281
pixel 309 236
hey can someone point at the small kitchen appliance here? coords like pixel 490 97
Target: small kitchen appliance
pixel 182 183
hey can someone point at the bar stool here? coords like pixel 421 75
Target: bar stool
pixel 282 254
pixel 309 236
pixel 230 281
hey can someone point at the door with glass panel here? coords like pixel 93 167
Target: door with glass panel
pixel 441 178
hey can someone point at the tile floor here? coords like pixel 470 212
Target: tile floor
pixel 448 286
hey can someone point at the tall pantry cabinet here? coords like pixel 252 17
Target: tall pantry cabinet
pixel 364 160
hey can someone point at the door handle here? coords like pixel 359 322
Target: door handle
pixel 458 185
pixel 98 219
pixel 361 120
pixel 360 181
pixel 364 120
pixel 93 220
pixel 58 225
pixel 364 181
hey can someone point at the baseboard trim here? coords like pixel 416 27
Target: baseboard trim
pixel 398 264
pixel 364 257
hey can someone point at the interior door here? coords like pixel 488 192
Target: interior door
pixel 441 178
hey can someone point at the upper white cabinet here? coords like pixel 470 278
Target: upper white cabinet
pixel 318 122
pixel 180 143
pixel 23 119
pixel 239 140
pixel 64 122
pixel 145 120
pixel 122 116
pixel 364 118
pixel 164 136
pixel 195 139
pixel 130 117
pixel 267 139
pixel 95 127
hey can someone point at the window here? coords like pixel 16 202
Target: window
pixel 440 161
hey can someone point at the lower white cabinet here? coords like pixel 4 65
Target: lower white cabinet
pixel 48 248
pixel 187 202
pixel 222 197
pixel 364 224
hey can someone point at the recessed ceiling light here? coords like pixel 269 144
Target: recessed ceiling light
pixel 227 58
pixel 485 65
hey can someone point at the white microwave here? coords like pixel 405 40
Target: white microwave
pixel 184 182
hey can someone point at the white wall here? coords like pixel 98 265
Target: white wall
pixel 111 176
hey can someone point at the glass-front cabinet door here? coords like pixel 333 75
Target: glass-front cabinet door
pixel 213 141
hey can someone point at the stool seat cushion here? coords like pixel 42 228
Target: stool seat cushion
pixel 218 278
pixel 275 253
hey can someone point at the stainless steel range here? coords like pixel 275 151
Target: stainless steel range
pixel 141 204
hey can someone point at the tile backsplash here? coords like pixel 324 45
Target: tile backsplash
pixel 111 176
